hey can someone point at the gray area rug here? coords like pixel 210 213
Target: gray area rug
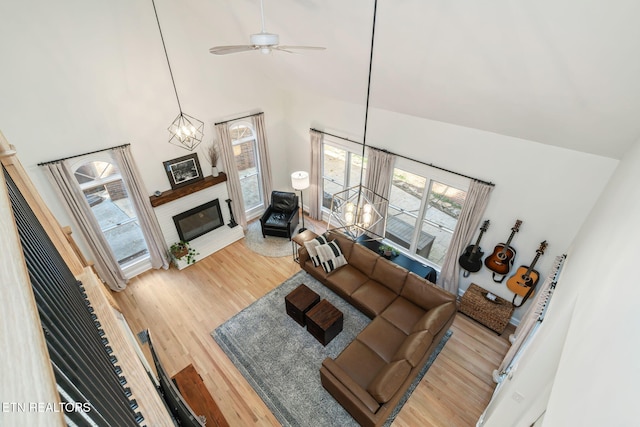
pixel 270 246
pixel 281 360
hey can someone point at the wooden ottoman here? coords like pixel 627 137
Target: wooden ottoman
pixel 324 321
pixel 494 315
pixel 299 301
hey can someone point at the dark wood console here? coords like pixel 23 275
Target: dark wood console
pixel 171 195
pixel 418 268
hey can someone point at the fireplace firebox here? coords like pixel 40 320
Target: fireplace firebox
pixel 199 220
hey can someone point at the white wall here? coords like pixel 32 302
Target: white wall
pixel 549 188
pixel 81 76
pixel 597 363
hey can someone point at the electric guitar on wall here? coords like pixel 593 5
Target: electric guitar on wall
pixel 471 259
pixel 501 260
pixel 524 281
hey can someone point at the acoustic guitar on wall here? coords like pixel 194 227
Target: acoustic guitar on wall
pixel 471 258
pixel 501 260
pixel 525 279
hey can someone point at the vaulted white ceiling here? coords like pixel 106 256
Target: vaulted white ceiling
pixel 558 72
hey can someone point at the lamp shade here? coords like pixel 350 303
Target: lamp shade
pixel 300 180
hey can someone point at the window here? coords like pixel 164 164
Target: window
pixel 341 169
pixel 106 192
pixel 245 152
pixel 423 212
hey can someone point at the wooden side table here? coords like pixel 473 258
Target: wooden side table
pixel 324 321
pixel 298 240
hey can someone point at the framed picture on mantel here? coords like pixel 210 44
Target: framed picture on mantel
pixel 183 171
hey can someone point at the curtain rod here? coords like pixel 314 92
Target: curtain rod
pixel 238 118
pixel 83 154
pixel 408 158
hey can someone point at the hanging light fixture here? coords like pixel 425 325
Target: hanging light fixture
pixel 359 211
pixel 186 131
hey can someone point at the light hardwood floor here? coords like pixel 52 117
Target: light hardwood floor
pixel 182 308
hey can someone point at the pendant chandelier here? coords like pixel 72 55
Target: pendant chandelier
pixel 358 211
pixel 186 131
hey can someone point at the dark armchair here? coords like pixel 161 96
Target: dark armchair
pixel 281 217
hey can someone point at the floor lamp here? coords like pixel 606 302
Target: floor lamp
pixel 300 181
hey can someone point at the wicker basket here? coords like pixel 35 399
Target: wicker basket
pixel 494 315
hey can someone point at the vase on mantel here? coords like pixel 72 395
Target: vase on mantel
pixel 214 171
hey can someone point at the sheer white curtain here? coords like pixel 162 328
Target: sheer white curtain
pixel 233 179
pixel 530 320
pixel 144 211
pixel 315 175
pixel 378 179
pixel 263 156
pixel 474 206
pixel 100 252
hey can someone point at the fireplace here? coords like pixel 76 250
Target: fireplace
pixel 199 220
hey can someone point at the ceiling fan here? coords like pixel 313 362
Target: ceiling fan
pixel 263 41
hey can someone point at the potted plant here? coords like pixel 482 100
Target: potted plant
pixel 213 155
pixel 388 251
pixel 182 249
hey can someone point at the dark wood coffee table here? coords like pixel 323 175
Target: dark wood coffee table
pixel 324 321
pixel 299 301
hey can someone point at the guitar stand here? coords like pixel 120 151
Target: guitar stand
pixel 466 273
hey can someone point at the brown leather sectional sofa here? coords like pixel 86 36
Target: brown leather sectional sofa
pixel 410 317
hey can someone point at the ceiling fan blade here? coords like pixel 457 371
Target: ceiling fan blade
pixel 300 48
pixel 224 50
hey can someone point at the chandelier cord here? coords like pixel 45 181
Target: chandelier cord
pixel 366 108
pixel 166 56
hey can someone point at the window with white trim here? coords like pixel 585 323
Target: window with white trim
pixel 107 195
pixel 341 169
pixel 245 152
pixel 424 206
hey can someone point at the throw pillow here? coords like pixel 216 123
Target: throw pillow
pixel 330 256
pixel 311 246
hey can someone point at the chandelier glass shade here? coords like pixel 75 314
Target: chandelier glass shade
pixel 186 131
pixel 358 211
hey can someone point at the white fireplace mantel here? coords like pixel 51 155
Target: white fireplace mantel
pixel 210 242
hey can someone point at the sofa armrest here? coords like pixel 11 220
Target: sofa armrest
pixel 294 217
pixel 425 294
pixel 303 255
pixel 266 214
pixel 332 372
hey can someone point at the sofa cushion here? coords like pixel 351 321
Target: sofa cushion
pixel 331 256
pixel 372 298
pixel 424 294
pixel 434 319
pixel 344 281
pixel 277 219
pixel 389 274
pixel 383 338
pixel 360 363
pixel 389 380
pixel 363 259
pixel 312 245
pixel 414 347
pixel 403 314
pixel 284 201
